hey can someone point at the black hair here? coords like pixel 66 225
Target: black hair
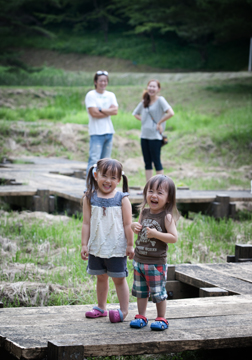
pixel 103 166
pixel 166 183
pixel 103 72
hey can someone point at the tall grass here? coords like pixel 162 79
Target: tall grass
pixel 53 248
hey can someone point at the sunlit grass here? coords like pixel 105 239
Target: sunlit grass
pixel 54 250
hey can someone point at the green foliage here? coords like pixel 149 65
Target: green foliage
pixel 171 35
pixel 53 247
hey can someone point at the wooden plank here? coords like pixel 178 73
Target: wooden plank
pixel 193 333
pixel 242 271
pixel 42 172
pixel 213 291
pixel 201 276
pixel 29 329
pixel 243 251
pixel 172 340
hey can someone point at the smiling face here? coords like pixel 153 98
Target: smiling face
pixel 157 198
pixel 153 88
pixel 101 83
pixel 107 182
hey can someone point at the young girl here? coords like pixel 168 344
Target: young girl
pixel 107 238
pixel 156 228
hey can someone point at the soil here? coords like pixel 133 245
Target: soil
pixel 81 62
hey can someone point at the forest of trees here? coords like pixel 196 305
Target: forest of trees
pixel 195 22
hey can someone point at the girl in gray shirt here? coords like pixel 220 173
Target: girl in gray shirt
pixel 152 111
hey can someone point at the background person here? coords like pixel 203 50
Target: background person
pixel 101 105
pixel 152 111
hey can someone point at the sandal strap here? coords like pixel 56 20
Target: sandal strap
pixel 162 319
pixel 99 309
pixel 141 317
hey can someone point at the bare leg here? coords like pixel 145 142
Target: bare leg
pixel 161 309
pixel 102 287
pixel 142 306
pixel 160 172
pixel 122 291
pixel 148 174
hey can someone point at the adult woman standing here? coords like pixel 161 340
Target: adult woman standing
pixel 152 111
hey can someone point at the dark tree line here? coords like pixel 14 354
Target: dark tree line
pixel 196 21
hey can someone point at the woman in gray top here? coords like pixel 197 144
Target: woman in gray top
pixel 152 111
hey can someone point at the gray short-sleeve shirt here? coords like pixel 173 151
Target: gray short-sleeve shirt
pixel 156 110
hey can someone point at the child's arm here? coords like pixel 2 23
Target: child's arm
pixel 85 232
pixel 136 226
pixel 127 218
pixel 170 237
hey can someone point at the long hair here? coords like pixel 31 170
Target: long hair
pixel 166 183
pixel 146 96
pixel 103 166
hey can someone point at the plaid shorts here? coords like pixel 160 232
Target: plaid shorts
pixel 150 280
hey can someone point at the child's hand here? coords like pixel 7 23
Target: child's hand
pixel 151 233
pixel 136 227
pixel 130 252
pixel 84 252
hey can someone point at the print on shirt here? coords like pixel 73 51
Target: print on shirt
pixel 144 244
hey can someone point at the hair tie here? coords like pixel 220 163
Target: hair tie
pixel 94 169
pixel 122 172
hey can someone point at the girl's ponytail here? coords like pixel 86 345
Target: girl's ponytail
pixel 125 187
pixel 91 183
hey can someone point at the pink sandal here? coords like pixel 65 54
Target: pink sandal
pixel 96 312
pixel 115 316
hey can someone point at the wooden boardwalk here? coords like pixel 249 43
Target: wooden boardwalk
pixel 213 322
pixel 64 179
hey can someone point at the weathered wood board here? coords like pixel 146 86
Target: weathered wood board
pixel 233 277
pixel 194 323
pixel 58 175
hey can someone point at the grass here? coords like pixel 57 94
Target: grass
pixel 211 129
pixel 171 53
pixel 52 246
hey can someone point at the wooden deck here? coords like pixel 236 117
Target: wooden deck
pixel 64 179
pixel 195 323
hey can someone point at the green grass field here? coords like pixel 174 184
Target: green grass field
pixel 210 142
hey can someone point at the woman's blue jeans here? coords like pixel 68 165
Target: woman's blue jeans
pixel 100 147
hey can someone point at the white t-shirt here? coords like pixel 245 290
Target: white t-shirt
pixel 95 99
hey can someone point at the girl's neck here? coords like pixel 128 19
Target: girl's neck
pixel 103 195
pixel 156 213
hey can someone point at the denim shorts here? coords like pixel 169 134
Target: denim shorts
pixel 115 267
pixel 150 280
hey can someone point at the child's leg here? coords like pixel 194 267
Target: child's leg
pixel 102 287
pixel 161 308
pixel 122 291
pixel 142 306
